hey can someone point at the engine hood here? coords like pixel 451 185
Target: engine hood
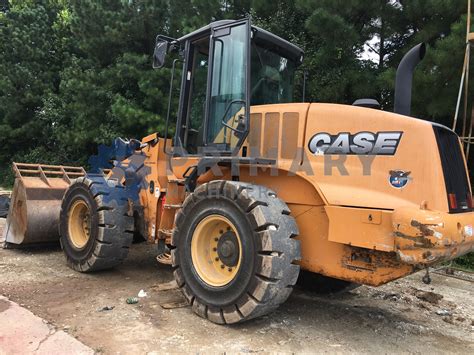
pixel 371 158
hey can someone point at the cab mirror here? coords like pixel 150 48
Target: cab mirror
pixel 159 55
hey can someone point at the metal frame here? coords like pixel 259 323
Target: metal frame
pixel 181 125
pixel 170 98
pixel 186 41
pixel 247 84
pixel 45 172
pixel 229 106
pixel 466 133
pixel 183 121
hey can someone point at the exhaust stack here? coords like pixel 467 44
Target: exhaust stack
pixel 404 80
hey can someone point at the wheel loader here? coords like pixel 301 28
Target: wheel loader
pixel 251 188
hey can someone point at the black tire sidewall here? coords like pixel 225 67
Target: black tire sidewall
pixel 78 192
pixel 230 293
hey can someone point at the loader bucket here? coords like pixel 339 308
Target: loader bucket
pixel 33 216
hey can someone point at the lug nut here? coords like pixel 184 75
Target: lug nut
pixel 216 239
pixel 222 266
pixel 221 231
pixel 217 259
pixel 214 249
pixel 230 269
pixel 228 228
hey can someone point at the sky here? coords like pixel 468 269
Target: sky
pixel 369 54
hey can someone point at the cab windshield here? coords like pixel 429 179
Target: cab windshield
pixel 272 76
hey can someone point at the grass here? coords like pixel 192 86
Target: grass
pixel 465 262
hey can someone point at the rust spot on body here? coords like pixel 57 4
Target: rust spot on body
pixel 424 228
pixel 418 241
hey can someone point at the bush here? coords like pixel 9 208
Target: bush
pixel 466 261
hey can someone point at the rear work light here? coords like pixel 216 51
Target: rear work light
pixel 453 203
pixel 163 203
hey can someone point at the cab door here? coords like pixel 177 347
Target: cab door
pixel 214 107
pixel 228 94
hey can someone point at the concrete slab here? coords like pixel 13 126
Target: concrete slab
pixel 21 332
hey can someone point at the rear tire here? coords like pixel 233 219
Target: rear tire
pixel 96 229
pixel 264 256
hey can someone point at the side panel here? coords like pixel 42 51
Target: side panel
pixel 344 221
pixel 157 183
pixel 346 243
pixel 292 189
pixel 277 132
pixel 361 227
pixel 349 185
pixel 348 248
pixel 338 260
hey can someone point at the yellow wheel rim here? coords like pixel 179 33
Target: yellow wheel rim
pixel 216 250
pixel 79 224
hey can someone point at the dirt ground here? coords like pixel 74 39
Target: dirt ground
pixel 405 316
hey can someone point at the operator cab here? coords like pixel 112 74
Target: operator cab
pixel 228 66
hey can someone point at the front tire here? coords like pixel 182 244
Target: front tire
pixel 234 251
pixel 95 227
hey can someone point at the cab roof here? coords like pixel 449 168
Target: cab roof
pixel 260 35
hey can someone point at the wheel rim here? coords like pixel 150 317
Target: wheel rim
pixel 79 224
pixel 216 250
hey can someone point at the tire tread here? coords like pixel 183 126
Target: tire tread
pixel 277 251
pixel 115 228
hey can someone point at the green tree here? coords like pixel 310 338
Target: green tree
pixel 77 73
pixel 4 6
pixel 31 60
pixel 109 88
pixel 439 24
pixel 337 32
